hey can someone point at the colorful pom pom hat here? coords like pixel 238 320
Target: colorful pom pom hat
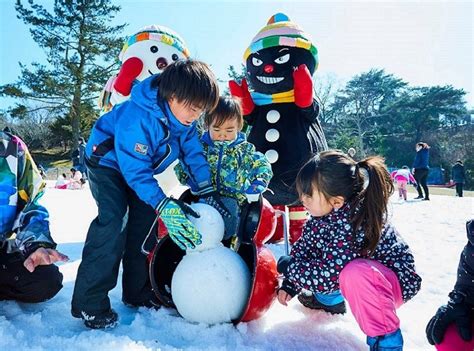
pixel 160 34
pixel 280 31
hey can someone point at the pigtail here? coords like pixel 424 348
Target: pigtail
pixel 375 189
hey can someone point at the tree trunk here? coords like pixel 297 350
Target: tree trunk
pixel 76 117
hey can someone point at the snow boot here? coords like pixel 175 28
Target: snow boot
pixel 387 342
pixel 104 320
pixel 151 302
pixel 332 303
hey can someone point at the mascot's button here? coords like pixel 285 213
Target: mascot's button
pixel 272 135
pixel 272 156
pixel 273 116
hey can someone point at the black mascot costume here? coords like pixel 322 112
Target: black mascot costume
pixel 281 109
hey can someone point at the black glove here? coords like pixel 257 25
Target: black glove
pixel 283 263
pixel 456 311
pixel 212 198
pixel 289 288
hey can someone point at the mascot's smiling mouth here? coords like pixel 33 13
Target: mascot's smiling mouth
pixel 270 80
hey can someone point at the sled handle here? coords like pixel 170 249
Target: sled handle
pixel 286 236
pixel 144 251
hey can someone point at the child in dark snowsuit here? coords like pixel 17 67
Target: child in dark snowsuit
pixel 348 245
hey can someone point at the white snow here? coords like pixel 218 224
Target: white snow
pixel 435 230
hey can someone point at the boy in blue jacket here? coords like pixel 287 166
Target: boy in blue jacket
pixel 127 147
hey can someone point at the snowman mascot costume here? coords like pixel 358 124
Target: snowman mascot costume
pixel 281 109
pixel 149 51
pixel 145 53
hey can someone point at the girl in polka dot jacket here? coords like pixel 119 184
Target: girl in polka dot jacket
pixel 348 244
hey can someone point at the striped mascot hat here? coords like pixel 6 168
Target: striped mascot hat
pixel 280 31
pixel 160 34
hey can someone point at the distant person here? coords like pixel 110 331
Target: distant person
pixel 451 327
pixel 78 160
pixel 458 177
pixel 402 177
pixel 61 182
pixel 421 169
pixel 76 182
pixel 42 171
pixel 27 251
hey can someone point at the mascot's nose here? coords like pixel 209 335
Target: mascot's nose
pixel 161 63
pixel 268 68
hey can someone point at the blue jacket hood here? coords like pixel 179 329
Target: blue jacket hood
pixel 148 99
pixel 145 96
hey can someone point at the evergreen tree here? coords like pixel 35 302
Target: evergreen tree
pixel 360 108
pixel 81 49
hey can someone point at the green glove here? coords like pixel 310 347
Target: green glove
pixel 173 214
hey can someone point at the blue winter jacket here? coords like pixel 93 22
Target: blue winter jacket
pixel 140 138
pixel 422 159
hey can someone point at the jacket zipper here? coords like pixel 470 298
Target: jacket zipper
pixel 218 171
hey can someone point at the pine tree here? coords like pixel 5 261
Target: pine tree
pixel 81 48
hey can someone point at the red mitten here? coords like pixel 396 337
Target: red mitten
pixel 128 72
pixel 303 86
pixel 242 92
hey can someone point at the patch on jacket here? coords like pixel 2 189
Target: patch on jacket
pixel 141 149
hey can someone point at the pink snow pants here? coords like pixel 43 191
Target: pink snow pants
pixel 453 342
pixel 373 293
pixel 402 188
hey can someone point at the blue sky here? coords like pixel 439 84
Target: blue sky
pixel 423 42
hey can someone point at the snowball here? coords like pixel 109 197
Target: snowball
pixel 210 225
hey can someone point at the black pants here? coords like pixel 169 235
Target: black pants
pixel 459 187
pixel 17 283
pixel 421 176
pixel 115 235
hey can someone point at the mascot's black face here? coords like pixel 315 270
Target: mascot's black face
pixel 270 70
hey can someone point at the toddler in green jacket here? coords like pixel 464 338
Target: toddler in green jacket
pixel 239 173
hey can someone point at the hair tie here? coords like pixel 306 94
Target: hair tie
pixel 365 175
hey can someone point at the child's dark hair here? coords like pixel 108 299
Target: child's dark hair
pixel 190 81
pixel 227 108
pixel 366 185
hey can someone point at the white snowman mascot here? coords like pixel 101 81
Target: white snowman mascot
pixel 212 283
pixel 145 53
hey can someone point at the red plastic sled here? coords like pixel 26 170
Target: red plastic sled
pixel 257 225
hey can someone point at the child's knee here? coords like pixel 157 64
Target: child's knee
pixel 351 275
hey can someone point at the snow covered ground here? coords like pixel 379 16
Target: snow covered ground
pixel 435 231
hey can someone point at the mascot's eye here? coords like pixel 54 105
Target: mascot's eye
pixel 174 57
pixel 283 59
pixel 256 62
pixel 154 49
